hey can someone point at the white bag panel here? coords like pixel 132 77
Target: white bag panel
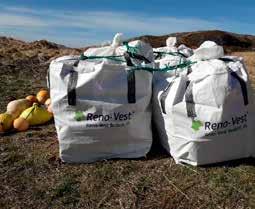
pixel 169 60
pixel 103 84
pixel 111 141
pixel 202 69
pixel 166 49
pixel 66 58
pixel 211 91
pixel 80 144
pixel 222 141
pixel 100 51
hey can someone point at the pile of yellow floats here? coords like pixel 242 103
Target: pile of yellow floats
pixel 23 113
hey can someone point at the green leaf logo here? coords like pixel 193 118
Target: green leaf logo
pixel 196 124
pixel 79 116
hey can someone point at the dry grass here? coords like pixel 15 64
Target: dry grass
pixel 32 176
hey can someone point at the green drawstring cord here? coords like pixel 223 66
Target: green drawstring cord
pixel 150 69
pixel 114 58
pixel 131 49
pixel 167 68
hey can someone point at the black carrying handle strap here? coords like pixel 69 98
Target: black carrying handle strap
pixel 128 59
pixel 164 95
pixel 243 87
pixel 131 94
pixel 131 87
pixel 189 99
pixel 71 86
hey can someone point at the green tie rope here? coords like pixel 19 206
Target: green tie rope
pixel 149 69
pixel 114 58
pixel 131 49
pixel 167 68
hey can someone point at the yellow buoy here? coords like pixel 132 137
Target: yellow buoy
pixel 6 121
pixel 36 115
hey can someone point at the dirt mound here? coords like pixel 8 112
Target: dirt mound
pixel 44 44
pixel 34 57
pixel 230 41
pixel 17 55
pixel 5 42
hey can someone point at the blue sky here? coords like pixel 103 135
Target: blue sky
pixel 79 23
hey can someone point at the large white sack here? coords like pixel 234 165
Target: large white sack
pixel 172 50
pixel 101 108
pixel 169 48
pixel 207 116
pixel 170 55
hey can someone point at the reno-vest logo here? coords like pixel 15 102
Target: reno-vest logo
pixel 115 116
pixel 233 124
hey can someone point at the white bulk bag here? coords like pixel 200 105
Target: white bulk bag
pixel 101 107
pixel 172 50
pixel 206 117
pixel 169 48
pixel 170 55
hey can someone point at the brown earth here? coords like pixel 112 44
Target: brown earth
pixel 17 55
pixel 230 41
pixel 32 176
